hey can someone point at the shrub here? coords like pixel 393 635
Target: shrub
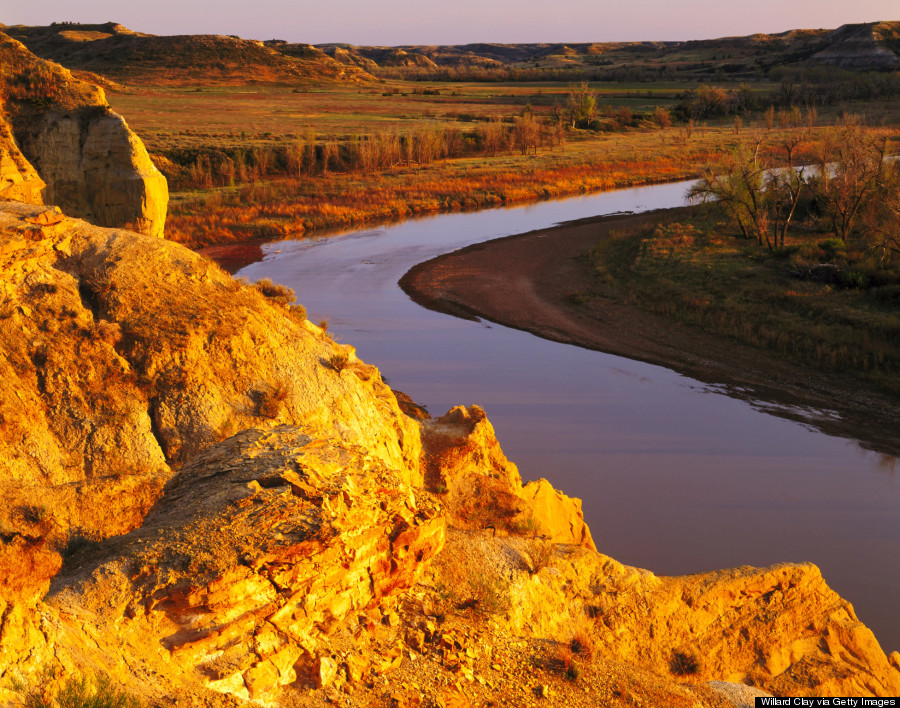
pixel 528 526
pixel 489 594
pixel 75 693
pixel 564 661
pixel 269 401
pixel 540 553
pixel 273 291
pixel 339 361
pixel 684 663
pixel 582 643
pixel 298 312
pixel 832 247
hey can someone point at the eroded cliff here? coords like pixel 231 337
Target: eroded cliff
pixel 209 501
pixel 89 161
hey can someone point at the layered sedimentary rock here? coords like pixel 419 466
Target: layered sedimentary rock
pixel 781 629
pixel 209 501
pixel 259 549
pixel 867 47
pixel 92 165
pixel 124 355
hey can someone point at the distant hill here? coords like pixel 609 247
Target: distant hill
pixel 872 46
pixel 866 46
pixel 118 53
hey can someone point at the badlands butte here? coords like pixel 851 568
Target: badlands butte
pixel 209 502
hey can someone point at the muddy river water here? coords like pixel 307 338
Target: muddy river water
pixel 675 475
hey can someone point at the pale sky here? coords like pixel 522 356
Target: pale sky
pixel 392 22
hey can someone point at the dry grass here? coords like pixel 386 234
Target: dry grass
pixel 270 402
pixel 259 157
pixel 701 273
pixel 278 294
pixel 540 552
pixel 339 361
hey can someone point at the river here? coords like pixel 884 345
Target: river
pixel 675 475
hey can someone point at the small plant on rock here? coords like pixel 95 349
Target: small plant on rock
pixel 684 663
pixel 77 692
pixel 489 595
pixel 279 294
pixel 270 401
pixel 339 361
pixel 540 552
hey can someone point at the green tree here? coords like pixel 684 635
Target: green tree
pixel 581 106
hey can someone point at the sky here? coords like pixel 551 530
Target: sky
pixel 394 22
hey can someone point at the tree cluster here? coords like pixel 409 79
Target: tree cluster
pixel 852 187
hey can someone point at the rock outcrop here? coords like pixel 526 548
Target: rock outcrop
pixel 91 164
pixel 125 355
pixel 464 462
pixel 19 181
pixel 209 501
pixel 781 629
pixel 259 549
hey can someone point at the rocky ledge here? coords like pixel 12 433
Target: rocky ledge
pixel 210 502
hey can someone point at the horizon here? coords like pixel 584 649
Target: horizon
pixel 408 22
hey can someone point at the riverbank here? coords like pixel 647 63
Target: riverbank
pixel 286 208
pixel 543 283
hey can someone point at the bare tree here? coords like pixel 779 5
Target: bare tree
pixel 492 136
pixel 884 223
pixel 851 168
pixel 329 153
pixel 525 131
pixel 760 196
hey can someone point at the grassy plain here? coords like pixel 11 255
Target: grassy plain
pixel 188 129
pixel 832 310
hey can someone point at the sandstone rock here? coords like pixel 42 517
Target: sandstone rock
pixel 19 181
pixel 557 516
pixel 327 672
pixel 482 488
pixel 97 169
pixel 357 667
pixel 92 165
pixel 241 507
pixel 780 628
pixel 460 441
pixel 104 390
pixel 738 694
pixel 325 532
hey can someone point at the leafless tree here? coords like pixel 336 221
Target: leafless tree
pixel 851 168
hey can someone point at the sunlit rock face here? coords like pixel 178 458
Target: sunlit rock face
pixel 19 181
pixel 90 162
pixel 209 500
